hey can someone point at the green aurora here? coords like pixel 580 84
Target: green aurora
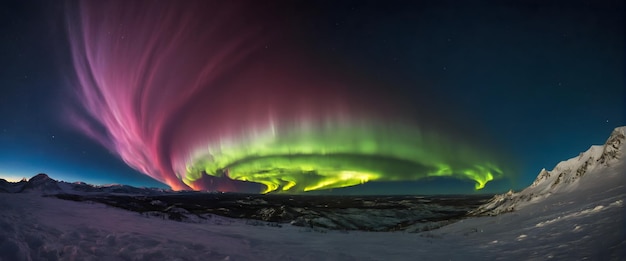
pixel 305 158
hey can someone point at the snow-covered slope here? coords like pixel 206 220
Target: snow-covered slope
pixel 576 175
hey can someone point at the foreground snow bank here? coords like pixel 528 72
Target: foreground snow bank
pixel 42 228
pixel 45 228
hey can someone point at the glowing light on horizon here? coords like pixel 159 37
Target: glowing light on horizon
pixel 12 178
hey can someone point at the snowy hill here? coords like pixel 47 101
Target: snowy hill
pixel 41 183
pixel 589 170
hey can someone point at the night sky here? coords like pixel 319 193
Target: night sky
pixel 407 97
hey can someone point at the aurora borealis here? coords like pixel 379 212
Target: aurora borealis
pixel 312 158
pixel 180 96
pixel 360 97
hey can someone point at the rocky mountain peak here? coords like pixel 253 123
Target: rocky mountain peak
pixel 564 178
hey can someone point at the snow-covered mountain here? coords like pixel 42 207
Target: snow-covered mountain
pixel 586 171
pixel 42 183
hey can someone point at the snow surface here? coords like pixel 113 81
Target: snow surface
pixel 579 217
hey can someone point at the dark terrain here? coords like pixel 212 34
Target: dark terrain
pixel 367 213
pixel 318 212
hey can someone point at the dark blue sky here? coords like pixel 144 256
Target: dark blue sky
pixel 540 81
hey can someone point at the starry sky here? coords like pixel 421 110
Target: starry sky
pixel 520 84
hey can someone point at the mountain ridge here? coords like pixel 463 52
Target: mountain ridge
pixel 565 177
pixel 42 183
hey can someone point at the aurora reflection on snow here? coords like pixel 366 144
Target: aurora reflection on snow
pixel 185 92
